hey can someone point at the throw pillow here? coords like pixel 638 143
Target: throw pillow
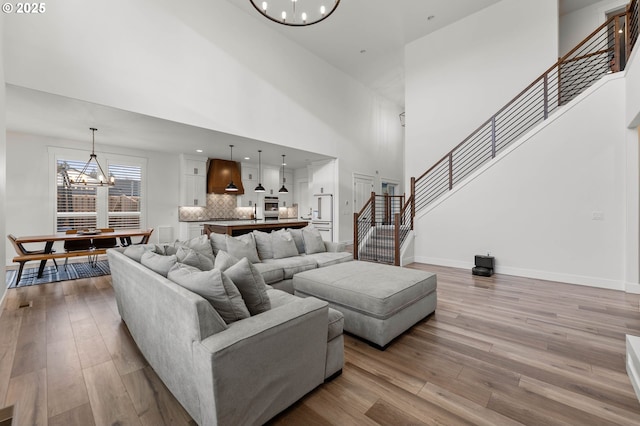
pixel 200 244
pixel 243 246
pixel 193 258
pixel 297 237
pixel 263 244
pixel 218 242
pixel 283 244
pixel 158 263
pixel 313 242
pixel 224 261
pixel 251 285
pixel 166 249
pixel 136 252
pixel 214 287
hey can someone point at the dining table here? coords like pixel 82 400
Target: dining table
pixel 50 239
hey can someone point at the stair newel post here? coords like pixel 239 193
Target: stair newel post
pixel 413 199
pixel 387 209
pixel 372 200
pixel 356 242
pixel 396 242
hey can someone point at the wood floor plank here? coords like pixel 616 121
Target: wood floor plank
pixel 28 392
pixel 92 351
pixel 152 400
pixel 384 413
pixel 31 349
pixel 108 396
pixel 79 416
pixel 10 322
pixel 65 383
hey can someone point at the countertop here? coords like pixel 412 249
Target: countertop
pixel 250 222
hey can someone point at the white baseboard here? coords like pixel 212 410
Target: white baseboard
pixel 537 274
pixel 633 362
pixel 633 288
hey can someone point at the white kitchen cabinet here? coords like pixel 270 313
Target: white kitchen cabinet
pixel 249 181
pixel 323 177
pixel 189 230
pixel 193 181
pixel 271 180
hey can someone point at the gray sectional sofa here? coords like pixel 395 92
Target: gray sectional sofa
pixel 240 372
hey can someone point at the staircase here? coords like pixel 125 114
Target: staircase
pixel 380 230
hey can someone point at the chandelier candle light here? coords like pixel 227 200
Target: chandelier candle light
pixel 93 175
pixel 296 13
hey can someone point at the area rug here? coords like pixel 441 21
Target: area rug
pixel 74 271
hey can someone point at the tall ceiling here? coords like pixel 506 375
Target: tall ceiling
pixel 363 38
pixel 366 38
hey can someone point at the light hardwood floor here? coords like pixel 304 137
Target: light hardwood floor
pixel 498 351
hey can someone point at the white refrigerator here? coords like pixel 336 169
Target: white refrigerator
pixel 322 218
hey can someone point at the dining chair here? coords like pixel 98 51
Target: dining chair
pixel 77 245
pixel 105 243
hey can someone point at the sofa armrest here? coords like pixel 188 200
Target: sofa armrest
pixel 262 364
pixel 335 247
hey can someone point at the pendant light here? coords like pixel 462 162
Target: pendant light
pixel 93 175
pixel 259 188
pixel 283 190
pixel 232 186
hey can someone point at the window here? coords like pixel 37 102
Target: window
pixel 118 206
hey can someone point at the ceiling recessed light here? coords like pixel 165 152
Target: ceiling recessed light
pixel 247 158
pixel 430 17
pixel 198 150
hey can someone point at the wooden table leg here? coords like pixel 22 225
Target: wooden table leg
pixel 48 248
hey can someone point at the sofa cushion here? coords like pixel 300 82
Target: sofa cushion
pixel 313 242
pixel 336 323
pixel 193 258
pixel 263 244
pixel 215 287
pixel 297 237
pixel 330 258
pixel 135 252
pixel 218 242
pixel 251 285
pixel 243 246
pixel 293 265
pixel 158 263
pixel 283 245
pixel 166 249
pixel 271 272
pixel 336 319
pixel 199 244
pixel 224 261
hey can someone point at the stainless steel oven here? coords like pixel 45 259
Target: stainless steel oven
pixel 271 208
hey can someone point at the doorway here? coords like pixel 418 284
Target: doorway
pixel 362 189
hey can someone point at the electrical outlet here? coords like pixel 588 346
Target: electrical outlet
pixel 597 215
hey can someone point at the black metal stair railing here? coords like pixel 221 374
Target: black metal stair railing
pixel 604 51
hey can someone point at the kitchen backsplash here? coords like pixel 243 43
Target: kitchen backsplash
pixel 223 206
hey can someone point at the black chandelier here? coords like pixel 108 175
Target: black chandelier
pixel 296 13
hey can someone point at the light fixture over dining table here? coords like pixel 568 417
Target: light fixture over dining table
pixel 93 174
pixel 296 13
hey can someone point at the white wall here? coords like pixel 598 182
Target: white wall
pixel 459 76
pixel 632 73
pixel 193 65
pixel 533 209
pixel 29 171
pixel 576 26
pixel 3 162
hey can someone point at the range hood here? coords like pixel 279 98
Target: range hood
pixel 220 173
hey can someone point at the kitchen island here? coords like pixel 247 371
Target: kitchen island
pixel 240 227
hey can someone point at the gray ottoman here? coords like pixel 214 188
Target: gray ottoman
pixel 379 302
